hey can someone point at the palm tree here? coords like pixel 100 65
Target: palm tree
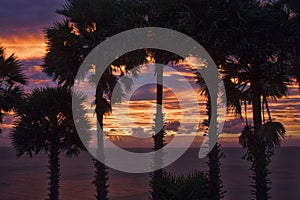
pixel 86 24
pixel 199 19
pixel 249 42
pixel 45 123
pixel 214 174
pixel 254 67
pixel 193 186
pixel 11 80
pixel 184 16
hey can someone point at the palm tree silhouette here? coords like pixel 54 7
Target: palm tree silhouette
pixel 255 68
pixel 158 138
pixel 86 25
pixel 227 29
pixel 45 123
pixel 214 156
pixel 11 80
pixel 193 186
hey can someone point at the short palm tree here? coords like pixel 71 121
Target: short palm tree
pixel 193 186
pixel 11 80
pixel 45 123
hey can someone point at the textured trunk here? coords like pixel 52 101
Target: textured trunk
pixel 215 181
pixel 54 170
pixel 259 165
pixel 214 173
pixel 268 109
pixel 260 178
pixel 100 168
pixel 158 138
pixel 256 108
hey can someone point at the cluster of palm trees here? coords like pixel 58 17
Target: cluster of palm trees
pixel 255 44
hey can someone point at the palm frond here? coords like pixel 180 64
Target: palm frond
pixel 271 134
pixel 46 113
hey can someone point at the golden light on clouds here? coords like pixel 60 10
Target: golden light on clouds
pixel 286 110
pixel 26 47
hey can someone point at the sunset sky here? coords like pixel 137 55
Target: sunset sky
pixel 22 24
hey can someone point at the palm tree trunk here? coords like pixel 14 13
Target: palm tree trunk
pixel 259 165
pixel 54 170
pixel 158 138
pixel 268 109
pixel 215 181
pixel 214 173
pixel 260 178
pixel 101 173
pixel 256 108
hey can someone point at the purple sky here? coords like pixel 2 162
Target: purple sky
pixel 22 24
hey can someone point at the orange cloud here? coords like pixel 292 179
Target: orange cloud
pixel 36 68
pixel 26 46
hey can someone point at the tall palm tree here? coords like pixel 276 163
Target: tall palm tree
pixel 248 41
pixel 45 123
pixel 254 67
pixel 214 174
pixel 87 24
pixel 199 17
pixel 11 80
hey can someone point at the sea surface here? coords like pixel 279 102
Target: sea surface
pixel 26 178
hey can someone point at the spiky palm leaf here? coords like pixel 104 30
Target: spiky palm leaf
pixel 193 186
pixel 42 111
pixel 11 80
pixel 45 124
pixel 271 134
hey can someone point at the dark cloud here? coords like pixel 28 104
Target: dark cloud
pixel 36 78
pixel 233 126
pixel 172 126
pixel 148 92
pixel 27 16
pixel 8 120
pixel 4 139
pixel 145 92
pixel 6 128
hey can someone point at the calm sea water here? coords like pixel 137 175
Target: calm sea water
pixel 25 178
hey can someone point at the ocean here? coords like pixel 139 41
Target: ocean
pixel 26 178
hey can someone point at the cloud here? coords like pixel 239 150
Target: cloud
pixel 25 46
pixel 6 128
pixel 140 133
pixel 145 92
pixel 27 16
pixel 172 126
pixel 36 78
pixel 233 126
pixel 22 24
